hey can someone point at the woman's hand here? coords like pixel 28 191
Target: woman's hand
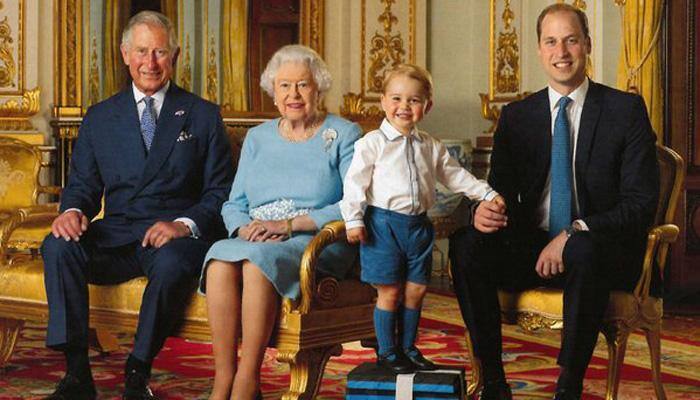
pixel 264 231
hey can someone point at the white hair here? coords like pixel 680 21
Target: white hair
pixel 150 18
pixel 295 53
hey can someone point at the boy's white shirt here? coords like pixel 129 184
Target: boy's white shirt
pixel 399 173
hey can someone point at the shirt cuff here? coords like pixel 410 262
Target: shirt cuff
pixel 73 209
pixel 490 195
pixel 582 224
pixel 357 223
pixel 194 231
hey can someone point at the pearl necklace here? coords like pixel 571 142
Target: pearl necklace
pixel 285 129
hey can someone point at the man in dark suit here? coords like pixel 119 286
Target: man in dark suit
pixel 576 163
pixel 160 159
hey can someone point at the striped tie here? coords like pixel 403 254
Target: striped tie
pixel 560 200
pixel 148 122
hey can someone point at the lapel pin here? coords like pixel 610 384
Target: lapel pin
pixel 179 113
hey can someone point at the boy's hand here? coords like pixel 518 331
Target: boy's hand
pixel 490 216
pixel 357 235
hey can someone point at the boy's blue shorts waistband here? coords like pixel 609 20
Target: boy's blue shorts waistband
pixel 405 218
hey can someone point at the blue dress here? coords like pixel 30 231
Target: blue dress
pixel 278 179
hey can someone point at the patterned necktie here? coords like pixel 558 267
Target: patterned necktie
pixel 560 200
pixel 148 122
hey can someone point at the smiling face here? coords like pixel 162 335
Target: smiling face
pixel 149 57
pixel 404 102
pixel 563 50
pixel 296 92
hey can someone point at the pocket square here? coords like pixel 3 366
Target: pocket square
pixel 184 136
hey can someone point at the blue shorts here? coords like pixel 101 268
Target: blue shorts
pixel 399 247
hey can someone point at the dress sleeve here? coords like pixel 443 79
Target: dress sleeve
pixel 346 147
pixel 235 209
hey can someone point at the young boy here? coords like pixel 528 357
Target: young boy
pixel 388 188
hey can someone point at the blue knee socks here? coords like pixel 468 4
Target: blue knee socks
pixel 384 323
pixel 411 318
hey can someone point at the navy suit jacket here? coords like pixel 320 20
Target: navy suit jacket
pixel 187 172
pixel 617 176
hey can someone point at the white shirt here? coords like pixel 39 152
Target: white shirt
pixel 573 112
pixel 398 173
pixel 158 99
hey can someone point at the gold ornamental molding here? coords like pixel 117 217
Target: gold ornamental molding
pixel 507 74
pixel 15 113
pixel 68 43
pixel 12 48
pixel 186 71
pixel 312 25
pixel 94 74
pixel 212 75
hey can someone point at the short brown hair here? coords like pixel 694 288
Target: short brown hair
pixel 563 7
pixel 414 72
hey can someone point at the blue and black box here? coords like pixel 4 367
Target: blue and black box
pixel 369 381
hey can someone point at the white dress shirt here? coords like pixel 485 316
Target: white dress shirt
pixel 573 112
pixel 158 99
pixel 398 173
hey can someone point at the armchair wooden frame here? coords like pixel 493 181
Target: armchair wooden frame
pixel 543 307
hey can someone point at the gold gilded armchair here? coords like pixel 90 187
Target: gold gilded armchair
pixel 543 307
pixel 23 222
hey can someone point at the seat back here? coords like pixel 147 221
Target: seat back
pixel 19 173
pixel 671 175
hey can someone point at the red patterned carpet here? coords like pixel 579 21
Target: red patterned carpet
pixel 183 370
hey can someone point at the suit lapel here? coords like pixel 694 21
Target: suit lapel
pixel 542 134
pixel 170 122
pixel 586 134
pixel 128 126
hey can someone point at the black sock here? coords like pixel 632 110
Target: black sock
pixel 134 364
pixel 78 363
pixel 571 379
pixel 493 370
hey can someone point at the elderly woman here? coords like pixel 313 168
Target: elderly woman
pixel 288 185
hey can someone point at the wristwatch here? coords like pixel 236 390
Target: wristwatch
pixel 573 228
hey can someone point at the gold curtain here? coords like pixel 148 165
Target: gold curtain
pixel 234 43
pixel 639 69
pixel 116 15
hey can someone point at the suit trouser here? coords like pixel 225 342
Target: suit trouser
pixel 69 266
pixel 481 263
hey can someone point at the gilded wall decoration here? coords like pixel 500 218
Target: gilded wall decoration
pixel 387 47
pixel 12 48
pixel 8 68
pixel 507 55
pixel 186 70
pixel 212 74
pixel 386 50
pixel 94 83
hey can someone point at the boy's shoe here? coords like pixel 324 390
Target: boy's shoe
pixel 396 362
pixel 71 388
pixel 421 363
pixel 136 387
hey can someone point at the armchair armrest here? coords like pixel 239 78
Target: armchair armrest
pixel 658 241
pixel 25 216
pixel 50 190
pixel 329 234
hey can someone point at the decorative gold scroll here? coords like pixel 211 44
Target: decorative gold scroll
pixel 386 51
pixel 212 76
pixel 12 49
pixel 186 71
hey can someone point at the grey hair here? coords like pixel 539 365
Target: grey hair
pixel 151 18
pixel 296 53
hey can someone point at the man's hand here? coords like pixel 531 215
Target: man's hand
pixel 551 262
pixel 162 232
pixel 357 235
pixel 490 216
pixel 70 225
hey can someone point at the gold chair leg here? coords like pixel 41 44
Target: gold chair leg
pixel 9 330
pixel 103 340
pixel 654 342
pixel 616 337
pixel 477 378
pixel 306 370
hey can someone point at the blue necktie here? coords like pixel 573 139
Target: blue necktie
pixel 560 200
pixel 148 122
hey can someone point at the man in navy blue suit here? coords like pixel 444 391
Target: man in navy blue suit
pixel 576 163
pixel 160 159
